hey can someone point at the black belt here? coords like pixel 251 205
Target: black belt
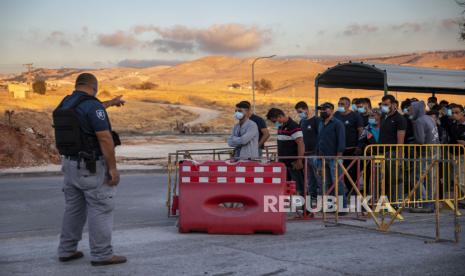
pixel 72 157
pixel 76 158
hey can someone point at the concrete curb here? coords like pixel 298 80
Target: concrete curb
pixel 59 173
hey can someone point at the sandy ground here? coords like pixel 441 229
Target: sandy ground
pixel 204 115
pixel 141 152
pixel 160 146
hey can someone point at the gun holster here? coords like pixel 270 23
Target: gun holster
pixel 90 160
pixel 116 139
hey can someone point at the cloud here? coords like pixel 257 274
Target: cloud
pixel 220 38
pixel 143 63
pixel 59 38
pixel 450 23
pixel 118 39
pixel 359 29
pixel 172 46
pixel 408 27
pixel 231 38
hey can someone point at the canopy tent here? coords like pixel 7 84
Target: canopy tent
pixel 388 77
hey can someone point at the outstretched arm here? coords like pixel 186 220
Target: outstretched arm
pixel 116 101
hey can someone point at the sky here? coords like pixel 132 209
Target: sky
pixel 104 33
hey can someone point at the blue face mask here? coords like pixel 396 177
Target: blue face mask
pixel 341 109
pixel 238 115
pixel 385 109
pixel 361 110
pixel 372 121
pixel 303 115
pixel 277 124
pixel 354 107
pixel 449 112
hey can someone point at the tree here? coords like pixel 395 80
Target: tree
pixel 264 86
pixel 145 86
pixel 462 22
pixel 39 87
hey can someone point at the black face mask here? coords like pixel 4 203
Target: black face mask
pixel 324 115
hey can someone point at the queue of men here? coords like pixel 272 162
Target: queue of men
pixel 346 130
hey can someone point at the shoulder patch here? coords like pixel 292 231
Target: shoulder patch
pixel 100 114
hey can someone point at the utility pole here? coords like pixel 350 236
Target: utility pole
pixel 253 79
pixel 29 75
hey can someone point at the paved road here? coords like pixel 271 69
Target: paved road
pixel 31 211
pixel 34 206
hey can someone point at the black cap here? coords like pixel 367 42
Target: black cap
pixel 326 105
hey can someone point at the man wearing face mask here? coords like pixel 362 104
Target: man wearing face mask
pixel 393 125
pixel 244 137
pixel 364 109
pixel 458 130
pixel 392 131
pixel 353 124
pixel 432 102
pixel 263 133
pixel 85 140
pixel 290 143
pixel 445 121
pixel 309 126
pixel 409 137
pixel 330 142
pixel 426 132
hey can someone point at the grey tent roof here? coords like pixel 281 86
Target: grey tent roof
pixel 359 75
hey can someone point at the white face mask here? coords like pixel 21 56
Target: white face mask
pixel 238 115
pixel 385 109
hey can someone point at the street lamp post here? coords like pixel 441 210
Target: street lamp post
pixel 253 79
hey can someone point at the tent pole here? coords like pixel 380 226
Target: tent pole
pixel 385 83
pixel 316 96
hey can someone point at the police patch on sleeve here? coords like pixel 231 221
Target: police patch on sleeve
pixel 100 114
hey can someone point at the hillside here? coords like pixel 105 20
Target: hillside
pixel 205 83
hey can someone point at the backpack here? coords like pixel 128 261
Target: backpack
pixel 69 137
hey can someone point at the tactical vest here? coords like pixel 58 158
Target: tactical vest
pixel 69 136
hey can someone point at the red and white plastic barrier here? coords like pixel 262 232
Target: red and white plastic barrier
pixel 206 188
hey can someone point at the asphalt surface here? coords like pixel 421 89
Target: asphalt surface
pixel 31 212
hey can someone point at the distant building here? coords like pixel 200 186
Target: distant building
pixel 18 90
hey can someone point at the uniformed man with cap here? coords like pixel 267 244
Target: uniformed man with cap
pixel 90 173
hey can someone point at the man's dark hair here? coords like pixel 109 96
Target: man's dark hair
pixel 86 79
pixel 274 113
pixel 405 104
pixel 443 103
pixel 432 99
pixel 391 98
pixel 243 104
pixel 368 101
pixel 301 105
pixel 345 99
pixel 460 107
pixel 358 101
pixel 354 100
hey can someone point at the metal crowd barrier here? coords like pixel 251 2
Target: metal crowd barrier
pixel 399 167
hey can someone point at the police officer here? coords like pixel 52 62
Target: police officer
pixel 91 175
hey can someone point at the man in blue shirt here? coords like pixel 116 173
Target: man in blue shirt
pixel 89 193
pixel 330 142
